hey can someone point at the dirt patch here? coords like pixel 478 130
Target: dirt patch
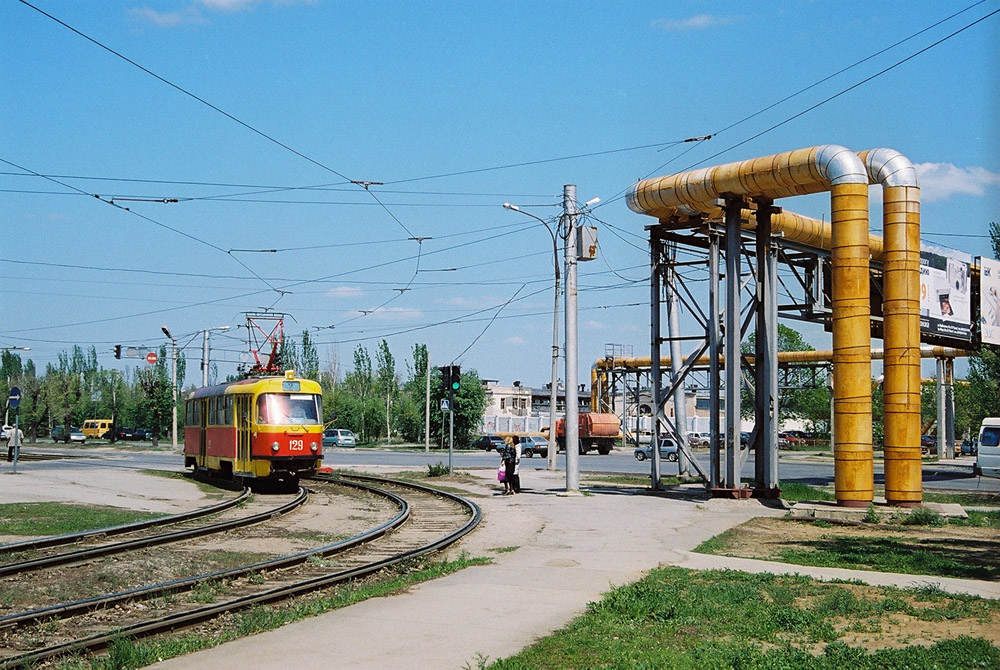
pixel 770 539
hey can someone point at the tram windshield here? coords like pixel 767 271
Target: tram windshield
pixel 283 408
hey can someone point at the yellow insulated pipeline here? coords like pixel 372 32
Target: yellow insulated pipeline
pixel 812 170
pixel 901 316
pixel 853 472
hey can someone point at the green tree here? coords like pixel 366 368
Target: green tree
pixel 981 394
pixel 361 409
pixel 157 398
pixel 411 403
pixel 804 394
pixel 309 359
pixel 470 404
pixel 386 384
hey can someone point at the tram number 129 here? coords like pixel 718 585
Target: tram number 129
pixel 296 445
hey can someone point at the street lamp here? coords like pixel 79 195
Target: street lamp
pixel 553 447
pixel 15 348
pixel 204 354
pixel 173 385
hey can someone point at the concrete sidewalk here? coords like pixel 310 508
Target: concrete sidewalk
pixel 569 551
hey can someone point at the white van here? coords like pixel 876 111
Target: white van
pixel 988 460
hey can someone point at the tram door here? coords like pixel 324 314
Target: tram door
pixel 243 409
pixel 202 432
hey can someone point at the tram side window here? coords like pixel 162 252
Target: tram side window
pixel 228 410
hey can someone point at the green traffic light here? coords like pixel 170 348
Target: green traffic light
pixel 454 385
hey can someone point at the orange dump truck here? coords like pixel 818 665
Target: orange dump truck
pixel 596 431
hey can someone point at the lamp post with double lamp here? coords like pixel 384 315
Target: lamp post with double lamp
pixel 173 386
pixel 204 354
pixel 553 446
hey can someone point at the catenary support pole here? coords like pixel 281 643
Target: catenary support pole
pixel 427 405
pixel 572 388
pixel 655 373
pixel 714 402
pixel 732 343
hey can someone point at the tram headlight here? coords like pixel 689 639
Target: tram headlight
pixel 313 447
pixel 275 446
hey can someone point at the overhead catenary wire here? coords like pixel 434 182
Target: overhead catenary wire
pixel 621 194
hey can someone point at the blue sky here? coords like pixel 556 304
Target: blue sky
pixel 457 108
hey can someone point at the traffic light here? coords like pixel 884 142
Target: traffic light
pixel 456 377
pixel 118 351
pixel 445 377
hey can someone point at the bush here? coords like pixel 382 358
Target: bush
pixel 439 469
pixel 871 516
pixel 923 516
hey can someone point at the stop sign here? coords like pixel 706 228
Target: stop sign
pixel 151 358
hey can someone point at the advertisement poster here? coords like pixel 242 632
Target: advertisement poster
pixel 989 300
pixel 945 295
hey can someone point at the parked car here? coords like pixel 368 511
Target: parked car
pixel 3 432
pixel 791 437
pixel 970 447
pixel 534 444
pixel 339 437
pixel 126 433
pixel 744 439
pixel 668 450
pixel 488 442
pixel 74 434
pixel 143 434
pixel 698 439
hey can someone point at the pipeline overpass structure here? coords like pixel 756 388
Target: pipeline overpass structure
pixel 856 284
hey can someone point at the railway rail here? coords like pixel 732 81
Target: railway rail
pixel 426 520
pixel 88 553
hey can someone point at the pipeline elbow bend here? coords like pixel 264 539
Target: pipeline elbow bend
pixel 888 167
pixel 840 165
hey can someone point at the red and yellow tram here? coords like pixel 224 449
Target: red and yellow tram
pixel 262 428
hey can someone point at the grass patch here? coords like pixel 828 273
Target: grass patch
pixel 910 549
pixel 129 654
pixel 794 492
pixel 636 480
pixel 889 554
pixel 677 618
pixel 50 518
pixel 980 499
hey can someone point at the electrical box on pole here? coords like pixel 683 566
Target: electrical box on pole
pixel 586 243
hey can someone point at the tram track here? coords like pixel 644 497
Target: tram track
pixel 426 521
pixel 89 553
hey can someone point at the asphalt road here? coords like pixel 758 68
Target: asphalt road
pixel 817 471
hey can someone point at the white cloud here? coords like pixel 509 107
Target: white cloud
pixel 940 181
pixel 345 292
pixel 592 325
pixel 240 5
pixel 516 340
pixel 186 16
pixel 696 22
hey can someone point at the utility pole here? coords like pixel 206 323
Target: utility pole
pixel 427 406
pixel 572 389
pixel 204 354
pixel 173 386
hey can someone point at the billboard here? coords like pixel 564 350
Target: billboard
pixel 945 295
pixel 989 301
